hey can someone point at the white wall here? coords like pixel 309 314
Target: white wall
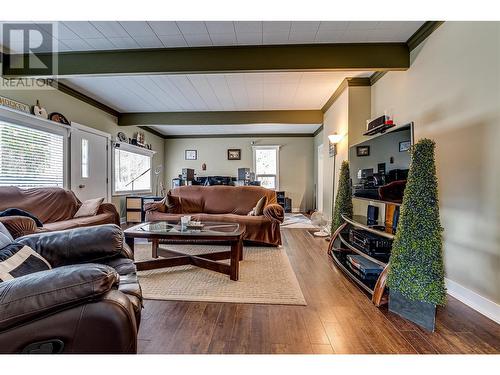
pixel 335 120
pixel 452 93
pixel 318 140
pixel 296 162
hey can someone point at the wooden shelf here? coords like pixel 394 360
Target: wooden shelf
pixel 376 200
pixel 361 222
pixel 359 252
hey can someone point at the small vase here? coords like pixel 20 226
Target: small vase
pixel 421 313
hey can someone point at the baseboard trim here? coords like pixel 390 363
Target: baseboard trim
pixel 482 305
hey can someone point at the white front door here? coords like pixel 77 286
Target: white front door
pixel 319 196
pixel 89 163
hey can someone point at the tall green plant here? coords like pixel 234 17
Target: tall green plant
pixel 416 264
pixel 343 202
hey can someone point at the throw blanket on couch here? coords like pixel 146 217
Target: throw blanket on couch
pixel 19 212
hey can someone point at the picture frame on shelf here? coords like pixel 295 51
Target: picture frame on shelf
pixel 190 154
pixel 234 154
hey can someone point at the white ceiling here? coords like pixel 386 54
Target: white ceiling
pixel 213 92
pixel 108 35
pixel 236 129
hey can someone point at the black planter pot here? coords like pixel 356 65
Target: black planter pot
pixel 421 313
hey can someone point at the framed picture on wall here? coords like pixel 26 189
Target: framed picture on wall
pixel 404 146
pixel 362 150
pixel 234 154
pixel 190 154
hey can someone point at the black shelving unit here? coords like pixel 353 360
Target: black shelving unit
pixel 340 247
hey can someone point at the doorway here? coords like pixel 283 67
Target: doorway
pixel 319 184
pixel 90 163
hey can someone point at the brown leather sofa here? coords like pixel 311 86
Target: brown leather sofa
pixel 224 204
pixel 55 207
pixel 89 302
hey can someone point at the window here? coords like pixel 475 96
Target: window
pixel 266 166
pixel 132 172
pixel 85 158
pixel 30 157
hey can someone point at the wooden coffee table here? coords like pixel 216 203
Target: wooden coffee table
pixel 164 232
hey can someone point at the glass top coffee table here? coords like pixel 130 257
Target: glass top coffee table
pixel 164 232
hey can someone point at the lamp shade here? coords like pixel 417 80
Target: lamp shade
pixel 335 138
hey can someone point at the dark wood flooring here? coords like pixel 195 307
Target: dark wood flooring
pixel 339 318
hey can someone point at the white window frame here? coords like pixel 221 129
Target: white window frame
pixel 30 121
pixel 268 147
pixel 136 150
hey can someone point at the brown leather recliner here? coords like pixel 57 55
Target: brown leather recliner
pixel 55 207
pixel 90 302
pixel 224 204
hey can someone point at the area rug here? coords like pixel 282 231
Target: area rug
pixel 297 221
pixel 266 277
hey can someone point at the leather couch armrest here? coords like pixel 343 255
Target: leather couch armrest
pixel 110 208
pixel 80 245
pixel 19 226
pixel 25 298
pixel 274 211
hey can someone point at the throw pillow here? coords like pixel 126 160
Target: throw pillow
pixel 18 260
pixel 89 207
pixel 258 210
pixel 19 212
pixel 191 205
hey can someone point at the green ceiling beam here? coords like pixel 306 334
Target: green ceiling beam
pixel 315 57
pixel 221 118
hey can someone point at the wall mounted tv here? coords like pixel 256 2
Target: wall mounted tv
pixel 379 166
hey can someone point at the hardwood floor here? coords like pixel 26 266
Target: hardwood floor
pixel 339 318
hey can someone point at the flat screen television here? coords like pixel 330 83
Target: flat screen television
pixel 379 166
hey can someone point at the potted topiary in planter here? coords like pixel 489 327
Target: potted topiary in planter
pixel 343 202
pixel 416 274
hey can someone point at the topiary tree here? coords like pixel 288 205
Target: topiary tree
pixel 416 264
pixel 343 202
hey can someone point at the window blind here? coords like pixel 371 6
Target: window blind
pixel 30 157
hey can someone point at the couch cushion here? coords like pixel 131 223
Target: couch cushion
pixel 104 218
pixel 48 204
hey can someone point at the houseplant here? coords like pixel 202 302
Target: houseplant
pixel 416 274
pixel 343 202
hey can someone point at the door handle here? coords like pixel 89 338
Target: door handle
pixel 81 186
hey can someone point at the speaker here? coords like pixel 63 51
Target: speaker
pixel 381 168
pixel 243 174
pixel 372 215
pixel 187 174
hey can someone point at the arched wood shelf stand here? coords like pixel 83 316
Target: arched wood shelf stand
pixel 378 292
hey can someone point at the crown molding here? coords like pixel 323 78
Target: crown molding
pixel 347 82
